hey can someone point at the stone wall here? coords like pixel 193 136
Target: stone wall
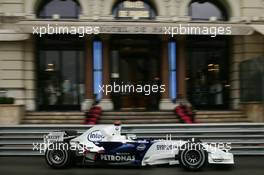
pixel 17 71
pixel 252 9
pixel 254 111
pixel 175 10
pixel 242 48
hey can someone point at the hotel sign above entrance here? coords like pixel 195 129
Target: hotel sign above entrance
pixel 176 28
pixel 133 10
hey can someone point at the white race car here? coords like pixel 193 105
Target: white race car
pixel 104 144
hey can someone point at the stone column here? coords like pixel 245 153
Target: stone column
pixel 165 102
pixel 88 75
pixel 30 74
pixel 106 102
pixel 181 68
pixel 29 9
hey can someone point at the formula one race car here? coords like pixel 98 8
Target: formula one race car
pixel 104 145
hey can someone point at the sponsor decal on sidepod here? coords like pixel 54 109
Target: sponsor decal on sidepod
pixel 95 136
pixel 118 158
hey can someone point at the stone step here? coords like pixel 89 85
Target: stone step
pixel 56 117
pixel 152 121
pixel 52 121
pixel 62 117
pixel 140 121
pixel 171 112
pixel 132 117
pixel 54 113
pixel 172 116
pixel 221 116
pixel 138 117
pixel 164 118
pixel 133 113
pixel 221 112
pixel 135 121
pixel 221 120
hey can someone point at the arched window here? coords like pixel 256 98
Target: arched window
pixel 131 9
pixel 67 9
pixel 204 10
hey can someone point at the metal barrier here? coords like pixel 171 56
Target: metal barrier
pixel 245 138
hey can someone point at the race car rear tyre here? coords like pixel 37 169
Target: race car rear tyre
pixel 192 156
pixel 58 155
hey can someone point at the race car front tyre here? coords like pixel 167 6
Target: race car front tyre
pixel 192 156
pixel 58 155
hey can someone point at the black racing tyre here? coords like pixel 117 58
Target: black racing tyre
pixel 58 155
pixel 192 156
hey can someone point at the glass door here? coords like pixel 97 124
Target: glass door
pixel 135 61
pixel 61 79
pixel 207 73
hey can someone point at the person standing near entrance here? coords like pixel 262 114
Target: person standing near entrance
pixel 155 96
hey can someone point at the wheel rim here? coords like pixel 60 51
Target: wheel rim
pixel 57 156
pixel 193 157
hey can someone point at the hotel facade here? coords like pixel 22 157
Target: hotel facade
pixel 133 43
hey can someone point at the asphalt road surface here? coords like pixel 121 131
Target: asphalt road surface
pixel 245 165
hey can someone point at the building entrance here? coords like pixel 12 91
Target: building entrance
pixel 135 61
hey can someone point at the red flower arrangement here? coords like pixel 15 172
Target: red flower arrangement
pixel 185 113
pixel 93 115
